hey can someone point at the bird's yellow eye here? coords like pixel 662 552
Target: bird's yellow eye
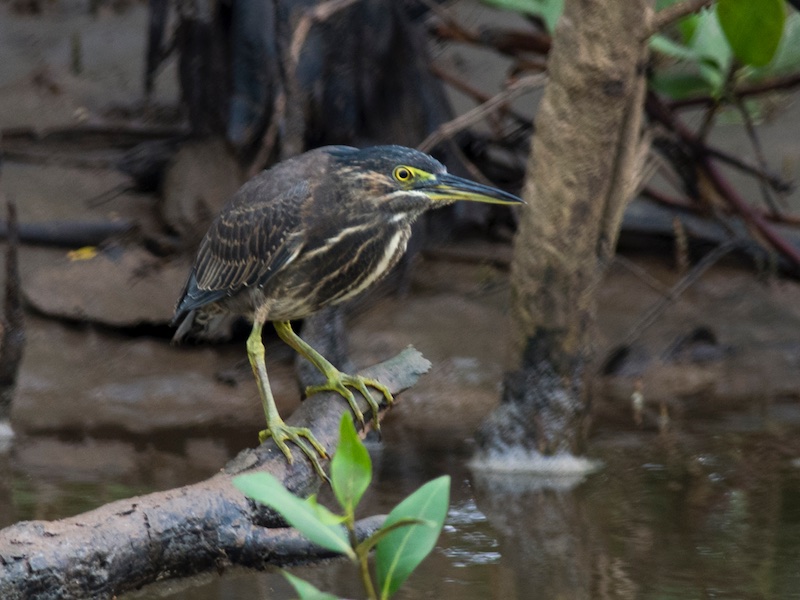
pixel 403 174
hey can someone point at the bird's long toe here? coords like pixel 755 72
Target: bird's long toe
pixel 341 381
pixel 302 438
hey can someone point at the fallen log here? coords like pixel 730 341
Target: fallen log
pixel 69 234
pixel 129 543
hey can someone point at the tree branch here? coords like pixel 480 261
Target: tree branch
pixel 676 12
pixel 783 82
pixel 658 111
pixel 500 100
pixel 127 544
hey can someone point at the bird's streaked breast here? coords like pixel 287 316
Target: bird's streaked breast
pixel 392 252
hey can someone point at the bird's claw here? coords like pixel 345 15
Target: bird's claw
pixel 302 437
pixel 339 383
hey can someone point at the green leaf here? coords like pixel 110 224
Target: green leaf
pixel 681 85
pixel 753 29
pixel 351 467
pixel 399 552
pixel 664 45
pixel 787 56
pixel 548 10
pixel 323 513
pixel 266 489
pixel 709 43
pixel 688 25
pixel 366 545
pixel 305 590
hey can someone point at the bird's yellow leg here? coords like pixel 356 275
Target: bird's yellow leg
pixel 336 380
pixel 276 428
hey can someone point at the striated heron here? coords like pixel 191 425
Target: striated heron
pixel 312 231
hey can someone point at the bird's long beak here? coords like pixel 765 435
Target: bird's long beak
pixel 449 188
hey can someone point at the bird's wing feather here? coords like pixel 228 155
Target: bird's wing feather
pixel 258 232
pixel 250 241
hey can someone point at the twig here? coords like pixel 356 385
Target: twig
pixel 727 191
pixel 642 274
pixel 270 139
pixel 474 171
pixel 287 117
pixel 295 101
pixel 707 124
pixel 319 13
pixel 676 12
pixel 447 17
pixel 759 154
pixel 670 201
pixel 469 118
pixel 478 95
pixel 774 181
pixel 651 315
pixel 465 87
pixel 507 42
pixel 676 203
pixel 658 111
pixel 785 82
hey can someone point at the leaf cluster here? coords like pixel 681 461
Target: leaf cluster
pixel 406 537
pixel 732 41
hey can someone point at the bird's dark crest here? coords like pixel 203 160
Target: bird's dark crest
pixel 385 158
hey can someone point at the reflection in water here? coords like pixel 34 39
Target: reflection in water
pixel 6 436
pixel 544 534
pixel 476 545
pixel 535 469
pixel 697 515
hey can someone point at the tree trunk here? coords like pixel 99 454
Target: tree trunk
pixel 583 169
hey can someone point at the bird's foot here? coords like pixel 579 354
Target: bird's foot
pixel 339 382
pixel 302 438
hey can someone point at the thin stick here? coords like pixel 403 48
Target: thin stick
pixel 774 181
pixel 478 95
pixel 642 274
pixel 480 112
pixel 319 13
pixel 676 12
pixel 730 194
pixel 759 154
pixel 651 315
pixel 762 87
pixel 658 111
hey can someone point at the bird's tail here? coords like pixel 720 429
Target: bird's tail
pixel 202 325
pixel 184 321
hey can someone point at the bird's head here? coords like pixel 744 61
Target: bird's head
pixel 405 181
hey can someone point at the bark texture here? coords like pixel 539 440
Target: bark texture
pixel 583 169
pixel 127 544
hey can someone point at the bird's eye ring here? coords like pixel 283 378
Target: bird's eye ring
pixel 403 174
